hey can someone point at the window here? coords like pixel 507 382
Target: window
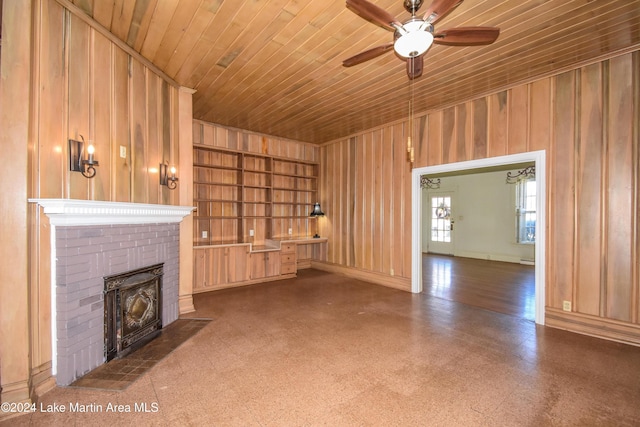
pixel 526 211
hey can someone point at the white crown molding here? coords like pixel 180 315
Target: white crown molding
pixel 69 212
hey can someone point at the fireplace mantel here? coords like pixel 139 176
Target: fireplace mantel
pixel 71 212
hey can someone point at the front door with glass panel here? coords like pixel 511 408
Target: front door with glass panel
pixel 441 224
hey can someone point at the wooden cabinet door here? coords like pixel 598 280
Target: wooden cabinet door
pixel 258 264
pixel 237 263
pixel 265 264
pixel 216 267
pixel 272 264
pixel 200 265
pixel 209 268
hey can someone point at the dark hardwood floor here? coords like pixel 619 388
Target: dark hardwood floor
pixel 502 287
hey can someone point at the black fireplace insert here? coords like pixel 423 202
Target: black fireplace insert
pixel 132 309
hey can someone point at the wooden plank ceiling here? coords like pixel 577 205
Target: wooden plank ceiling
pixel 275 66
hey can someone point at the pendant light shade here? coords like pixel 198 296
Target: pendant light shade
pixel 414 41
pixel 316 210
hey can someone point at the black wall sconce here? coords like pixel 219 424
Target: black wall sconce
pixel 168 176
pixel 315 213
pixel 77 161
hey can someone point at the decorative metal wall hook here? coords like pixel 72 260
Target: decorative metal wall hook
pixel 426 182
pixel 527 173
pixel 168 176
pixel 77 161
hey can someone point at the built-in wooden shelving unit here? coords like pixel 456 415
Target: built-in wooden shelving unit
pixel 248 198
pixel 252 221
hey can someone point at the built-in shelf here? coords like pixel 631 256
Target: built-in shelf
pixel 245 197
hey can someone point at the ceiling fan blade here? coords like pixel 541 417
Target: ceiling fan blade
pixel 440 8
pixel 415 66
pixel 467 36
pixel 367 55
pixel 373 13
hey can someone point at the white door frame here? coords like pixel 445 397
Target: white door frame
pixel 539 157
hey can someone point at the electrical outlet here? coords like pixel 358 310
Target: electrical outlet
pixel 566 305
pixel 392 272
pixel 205 234
pixel 123 152
pixel 250 233
pixel 290 232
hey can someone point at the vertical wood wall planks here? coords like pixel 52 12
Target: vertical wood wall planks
pixel 122 166
pixel 101 91
pixel 480 123
pixel 343 197
pixel 404 243
pixel 589 188
pixel 518 119
pixel 434 139
pixel 635 249
pixel 386 174
pixel 422 148
pixel 463 139
pixel 396 221
pixel 367 206
pixel 561 193
pixel 448 135
pixel 52 160
pixel 540 115
pixel 377 214
pixel 139 132
pixel 154 138
pixel 170 144
pixel 77 68
pixel 358 197
pixel 498 124
pixel 620 213
pixel 351 203
pixel 89 87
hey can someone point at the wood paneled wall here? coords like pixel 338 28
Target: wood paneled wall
pixel 87 85
pixel 213 135
pixel 365 192
pixel 75 81
pixel 588 121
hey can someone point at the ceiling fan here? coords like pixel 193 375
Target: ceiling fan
pixel 413 37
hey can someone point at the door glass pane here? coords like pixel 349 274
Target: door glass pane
pixel 441 219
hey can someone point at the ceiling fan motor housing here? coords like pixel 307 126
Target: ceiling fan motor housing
pixel 412 6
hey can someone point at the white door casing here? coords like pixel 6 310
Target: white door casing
pixel 539 157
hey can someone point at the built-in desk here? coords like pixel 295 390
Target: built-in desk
pixel 239 264
pixel 305 249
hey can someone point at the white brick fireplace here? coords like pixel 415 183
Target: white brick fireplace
pixel 91 240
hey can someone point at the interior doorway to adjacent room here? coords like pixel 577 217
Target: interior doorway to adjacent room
pixel 422 222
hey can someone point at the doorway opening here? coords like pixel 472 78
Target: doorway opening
pixel 418 214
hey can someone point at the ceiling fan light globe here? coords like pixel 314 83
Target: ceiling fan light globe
pixel 413 43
